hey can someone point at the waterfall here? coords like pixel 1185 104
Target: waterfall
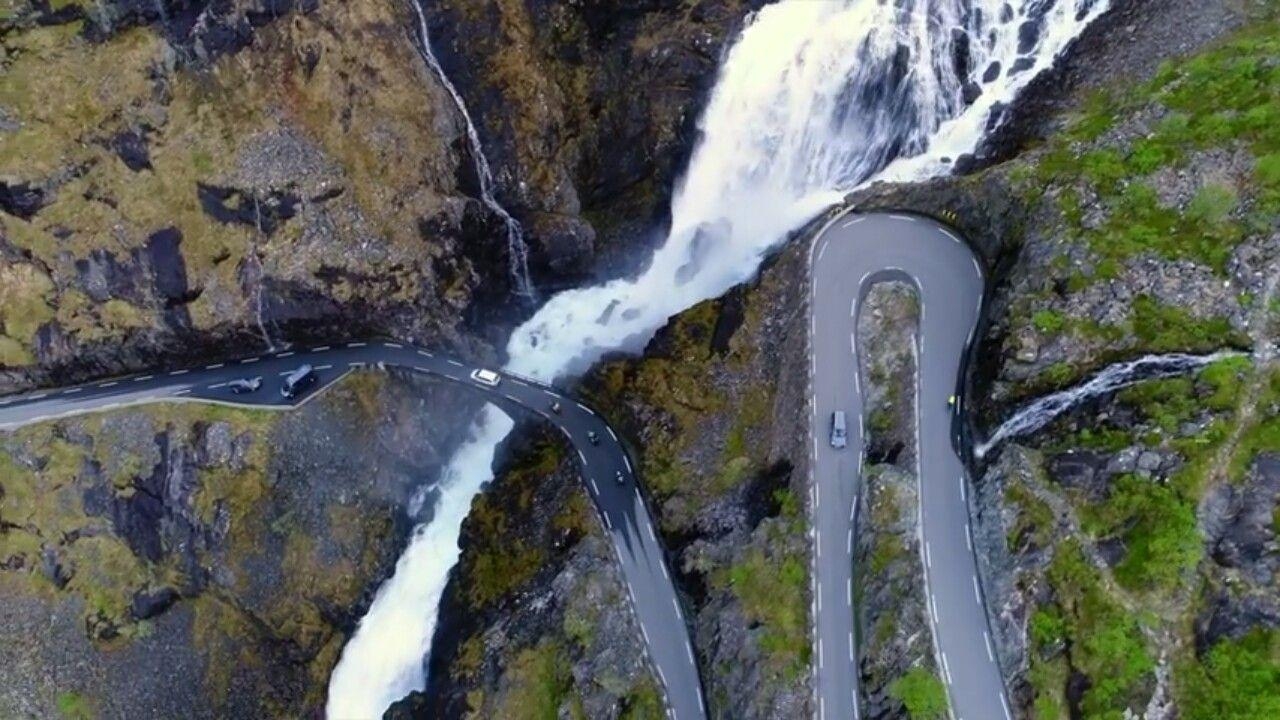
pixel 1041 411
pixel 813 100
pixel 517 251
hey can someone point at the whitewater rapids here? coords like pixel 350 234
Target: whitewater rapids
pixel 813 99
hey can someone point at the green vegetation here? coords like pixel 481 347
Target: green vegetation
pixel 74 706
pixel 922 693
pixel 1158 528
pixel 1227 97
pixel 643 703
pixel 502 560
pixel 772 583
pixel 1106 643
pixel 1048 321
pixel 1236 680
pixel 540 684
pixel 1164 328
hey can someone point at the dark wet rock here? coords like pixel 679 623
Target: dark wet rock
pixel 21 199
pixel 103 277
pixel 1029 34
pixel 131 147
pixel 264 213
pixel 1081 470
pixel 1021 65
pixel 1240 523
pixel 168 268
pixel 971 92
pixel 961 53
pixel 991 73
pixel 150 603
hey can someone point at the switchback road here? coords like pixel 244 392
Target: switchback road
pixel 848 256
pixel 606 469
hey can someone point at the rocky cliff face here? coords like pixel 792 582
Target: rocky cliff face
pixel 205 562
pixel 181 175
pixel 1127 548
pixel 710 414
pixel 587 110
pixel 186 179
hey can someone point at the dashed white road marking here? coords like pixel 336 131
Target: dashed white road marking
pixel 424 353
pixel 607 525
pixel 583 458
pixel 963 496
pixel 215 386
pixel 946 669
pixel 594 487
pixel 977 594
pixel 179 372
pixel 285 354
pixel 322 348
pixel 968 537
pixel 214 366
pixel 903 217
pixel 627 460
pixel 652 537
pixel 71 391
pixel 143 378
pixel 454 363
pixel 183 391
pixel 397 346
pixel 356 345
pixel 324 367
pixel 850 646
pixel 1005 703
pixel 928 556
pixel 113 383
pixel 987 637
pixel 246 361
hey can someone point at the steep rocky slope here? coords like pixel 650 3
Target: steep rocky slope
pixel 182 179
pixel 587 109
pixel 1127 548
pixel 205 562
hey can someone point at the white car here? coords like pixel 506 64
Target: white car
pixel 486 377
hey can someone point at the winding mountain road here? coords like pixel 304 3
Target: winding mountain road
pixel 949 282
pixel 606 469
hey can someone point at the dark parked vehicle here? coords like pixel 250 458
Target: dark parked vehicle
pixel 298 381
pixel 244 386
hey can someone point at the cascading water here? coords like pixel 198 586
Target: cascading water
pixel 1042 410
pixel 813 99
pixel 517 251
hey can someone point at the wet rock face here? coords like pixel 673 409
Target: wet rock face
pixel 536 591
pixel 239 548
pixel 541 80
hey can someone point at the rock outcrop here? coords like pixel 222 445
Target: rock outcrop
pixel 206 562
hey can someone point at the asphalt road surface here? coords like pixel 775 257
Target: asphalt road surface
pixel 848 257
pixel 606 469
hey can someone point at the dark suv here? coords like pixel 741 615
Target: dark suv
pixel 298 381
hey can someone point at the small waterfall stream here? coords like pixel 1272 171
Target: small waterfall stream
pixel 1042 410
pixel 517 251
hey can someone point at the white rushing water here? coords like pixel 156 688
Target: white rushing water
pixel 1042 410
pixel 517 251
pixel 813 99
